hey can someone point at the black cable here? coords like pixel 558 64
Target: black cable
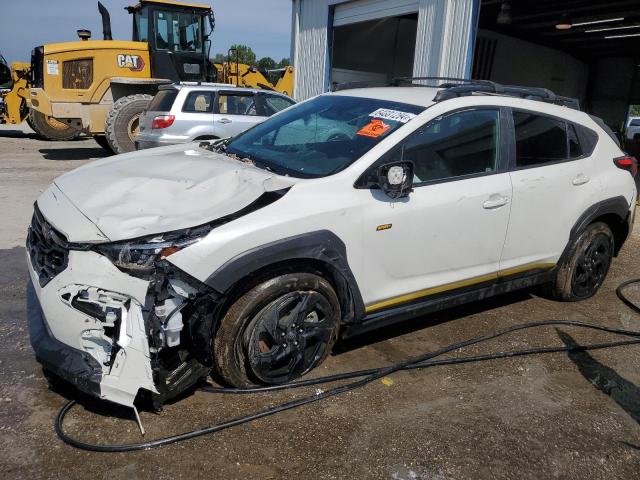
pixel 370 375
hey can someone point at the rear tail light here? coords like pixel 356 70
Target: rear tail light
pixel 162 121
pixel 627 163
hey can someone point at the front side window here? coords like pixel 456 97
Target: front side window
pixel 322 136
pixel 199 102
pixel 539 139
pixel 235 104
pixel 178 31
pixel 457 145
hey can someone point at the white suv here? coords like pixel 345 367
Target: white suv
pixel 249 257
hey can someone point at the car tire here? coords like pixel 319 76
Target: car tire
pixel 101 140
pixel 49 128
pixel 277 331
pixel 122 122
pixel 586 265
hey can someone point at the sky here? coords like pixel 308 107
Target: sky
pixel 264 25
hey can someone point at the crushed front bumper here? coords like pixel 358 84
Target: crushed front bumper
pixel 75 366
pixel 104 353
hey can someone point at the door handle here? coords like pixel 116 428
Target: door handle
pixel 495 201
pixel 580 179
pixel 224 120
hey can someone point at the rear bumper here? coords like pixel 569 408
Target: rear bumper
pixel 75 366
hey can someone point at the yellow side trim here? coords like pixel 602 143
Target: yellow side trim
pixel 95 45
pixel 459 284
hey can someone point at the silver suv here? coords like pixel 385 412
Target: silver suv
pixel 182 113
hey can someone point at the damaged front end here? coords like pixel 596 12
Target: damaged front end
pixel 116 319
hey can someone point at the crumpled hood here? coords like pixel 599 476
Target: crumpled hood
pixel 163 189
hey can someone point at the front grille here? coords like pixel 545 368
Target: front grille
pixel 47 248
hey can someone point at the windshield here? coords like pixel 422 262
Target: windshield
pixel 178 31
pixel 322 136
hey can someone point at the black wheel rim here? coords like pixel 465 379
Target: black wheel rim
pixel 592 266
pixel 289 336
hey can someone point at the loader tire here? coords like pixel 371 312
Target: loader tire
pixel 101 140
pixel 50 128
pixel 121 124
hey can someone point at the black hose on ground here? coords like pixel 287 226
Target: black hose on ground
pixel 368 376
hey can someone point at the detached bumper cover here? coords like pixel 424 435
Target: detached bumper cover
pixel 76 367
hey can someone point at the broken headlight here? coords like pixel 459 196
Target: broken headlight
pixel 139 256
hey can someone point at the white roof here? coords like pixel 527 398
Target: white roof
pixel 413 95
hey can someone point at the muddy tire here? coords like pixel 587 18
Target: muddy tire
pixel 101 140
pixel 277 331
pixel 121 124
pixel 50 128
pixel 585 268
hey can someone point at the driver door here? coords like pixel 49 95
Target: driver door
pixel 448 233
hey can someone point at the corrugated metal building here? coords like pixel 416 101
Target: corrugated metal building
pixel 587 49
pixel 342 40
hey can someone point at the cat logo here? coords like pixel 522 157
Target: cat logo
pixel 135 63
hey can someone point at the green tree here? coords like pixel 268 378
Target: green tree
pixel 634 111
pixel 266 63
pixel 219 58
pixel 284 63
pixel 243 54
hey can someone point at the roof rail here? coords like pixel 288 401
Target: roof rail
pixel 452 87
pixel 492 88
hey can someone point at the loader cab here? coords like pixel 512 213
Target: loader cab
pixel 177 37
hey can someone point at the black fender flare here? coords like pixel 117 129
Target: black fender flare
pixel 618 206
pixel 322 245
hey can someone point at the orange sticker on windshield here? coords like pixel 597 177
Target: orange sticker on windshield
pixel 374 129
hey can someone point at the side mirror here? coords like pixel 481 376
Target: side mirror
pixel 395 179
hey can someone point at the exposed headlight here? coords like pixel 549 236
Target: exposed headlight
pixel 139 256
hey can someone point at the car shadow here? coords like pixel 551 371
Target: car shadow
pixel 430 320
pixel 625 393
pixel 75 153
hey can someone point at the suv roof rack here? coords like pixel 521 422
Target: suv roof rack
pixel 452 87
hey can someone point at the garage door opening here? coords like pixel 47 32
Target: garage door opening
pixel 374 51
pixel 587 49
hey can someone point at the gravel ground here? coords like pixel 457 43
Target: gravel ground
pixel 552 416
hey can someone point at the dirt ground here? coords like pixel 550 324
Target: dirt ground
pixel 552 416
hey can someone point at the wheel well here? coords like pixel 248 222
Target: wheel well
pixel 119 90
pixel 619 227
pixel 301 265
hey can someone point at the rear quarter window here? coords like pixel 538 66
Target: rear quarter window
pixel 199 102
pixel 273 104
pixel 163 100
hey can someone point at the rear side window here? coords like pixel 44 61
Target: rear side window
pixel 235 104
pixel 163 100
pixel 199 102
pixel 539 139
pixel 273 104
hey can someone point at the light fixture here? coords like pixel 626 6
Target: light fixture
pixel 504 15
pixel 565 24
pixel 623 36
pixel 593 22
pixel 594 30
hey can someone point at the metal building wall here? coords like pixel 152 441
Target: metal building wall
pixel 445 38
pixel 444 41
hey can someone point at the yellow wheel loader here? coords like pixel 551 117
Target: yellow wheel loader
pixel 100 87
pixel 242 75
